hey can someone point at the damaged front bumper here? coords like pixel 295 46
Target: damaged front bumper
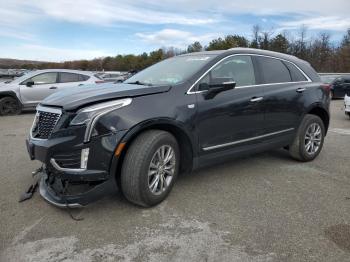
pixel 63 194
pixel 75 174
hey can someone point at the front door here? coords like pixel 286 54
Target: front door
pixel 44 85
pixel 233 117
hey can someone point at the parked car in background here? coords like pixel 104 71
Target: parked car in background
pixel 347 104
pixel 180 114
pixel 339 84
pixel 29 90
pixel 114 76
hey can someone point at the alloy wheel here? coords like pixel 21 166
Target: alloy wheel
pixel 161 170
pixel 313 138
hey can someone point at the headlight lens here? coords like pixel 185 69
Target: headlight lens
pixel 88 114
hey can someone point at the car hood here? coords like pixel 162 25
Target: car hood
pixel 76 97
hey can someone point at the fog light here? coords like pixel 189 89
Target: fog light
pixel 84 158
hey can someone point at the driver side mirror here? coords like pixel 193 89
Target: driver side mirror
pixel 30 83
pixel 216 86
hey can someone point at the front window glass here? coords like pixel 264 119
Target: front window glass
pixel 45 78
pixel 171 71
pixel 238 68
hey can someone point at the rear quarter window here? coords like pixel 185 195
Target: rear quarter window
pixel 295 73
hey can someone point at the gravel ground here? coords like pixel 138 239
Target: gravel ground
pixel 265 207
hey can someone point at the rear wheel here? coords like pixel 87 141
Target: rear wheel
pixel 309 139
pixel 9 106
pixel 150 168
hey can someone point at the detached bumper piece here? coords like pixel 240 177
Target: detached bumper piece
pixel 64 193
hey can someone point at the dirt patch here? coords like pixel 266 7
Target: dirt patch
pixel 340 235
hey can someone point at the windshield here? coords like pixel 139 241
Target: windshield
pixel 170 71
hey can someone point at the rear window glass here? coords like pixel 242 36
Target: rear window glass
pixel 274 70
pixel 83 77
pixel 69 77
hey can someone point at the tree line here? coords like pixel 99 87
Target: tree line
pixel 319 51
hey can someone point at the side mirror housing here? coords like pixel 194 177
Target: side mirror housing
pixel 30 83
pixel 217 86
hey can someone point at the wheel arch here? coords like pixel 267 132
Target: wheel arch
pixel 10 94
pixel 319 111
pixel 177 129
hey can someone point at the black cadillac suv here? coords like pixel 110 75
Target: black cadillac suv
pixel 178 115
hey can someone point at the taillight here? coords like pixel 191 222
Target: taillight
pixel 99 82
pixel 327 87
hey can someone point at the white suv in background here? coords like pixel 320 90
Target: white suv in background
pixel 347 104
pixel 29 90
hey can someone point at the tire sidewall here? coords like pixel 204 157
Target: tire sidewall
pixel 5 99
pixel 310 119
pixel 144 188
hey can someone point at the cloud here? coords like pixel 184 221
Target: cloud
pixel 44 53
pixel 319 23
pixel 106 12
pixel 173 37
pixel 270 7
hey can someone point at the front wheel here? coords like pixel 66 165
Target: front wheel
pixel 309 139
pixel 150 168
pixel 9 106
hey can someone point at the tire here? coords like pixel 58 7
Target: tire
pixel 299 149
pixel 137 185
pixel 9 106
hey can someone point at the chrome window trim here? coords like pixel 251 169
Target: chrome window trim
pixel 246 140
pixel 189 92
pixel 44 109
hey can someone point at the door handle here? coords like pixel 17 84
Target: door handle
pixel 256 99
pixel 300 90
pixel 53 87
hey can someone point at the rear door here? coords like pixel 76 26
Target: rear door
pixel 45 84
pixel 285 90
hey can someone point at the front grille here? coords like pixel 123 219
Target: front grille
pixel 45 122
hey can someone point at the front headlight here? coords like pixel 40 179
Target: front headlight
pixel 90 115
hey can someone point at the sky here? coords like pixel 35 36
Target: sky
pixel 60 30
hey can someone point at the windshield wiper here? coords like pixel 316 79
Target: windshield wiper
pixel 139 83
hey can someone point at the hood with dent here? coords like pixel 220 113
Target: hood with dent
pixel 76 97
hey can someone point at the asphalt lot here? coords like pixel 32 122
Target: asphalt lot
pixel 265 207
